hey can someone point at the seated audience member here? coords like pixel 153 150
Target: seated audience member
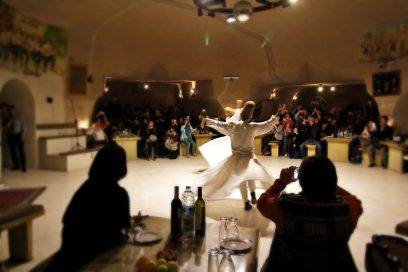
pixel 287 124
pixel 384 133
pixel 151 141
pixel 202 128
pixel 187 137
pixel 98 132
pixel 278 134
pixel 310 135
pixel 98 213
pixel 313 227
pixel 172 143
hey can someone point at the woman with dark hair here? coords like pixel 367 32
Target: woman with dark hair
pixel 97 214
pixel 313 227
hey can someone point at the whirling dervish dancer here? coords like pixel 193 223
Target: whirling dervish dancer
pixel 241 169
pixel 217 150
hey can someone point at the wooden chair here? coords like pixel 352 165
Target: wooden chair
pixel 19 223
pixel 182 148
pixel 311 150
pixel 366 157
pixel 274 148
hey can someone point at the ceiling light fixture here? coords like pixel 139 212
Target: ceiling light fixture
pixel 333 88
pixel 320 88
pixel 146 86
pixel 231 19
pixel 242 10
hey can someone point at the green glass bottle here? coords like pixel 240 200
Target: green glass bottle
pixel 199 212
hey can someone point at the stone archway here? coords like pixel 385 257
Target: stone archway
pixel 17 93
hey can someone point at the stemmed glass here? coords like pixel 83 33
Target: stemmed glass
pixel 227 264
pixel 222 228
pixel 232 229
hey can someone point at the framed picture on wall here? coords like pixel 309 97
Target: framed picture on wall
pixel 387 83
pixel 77 79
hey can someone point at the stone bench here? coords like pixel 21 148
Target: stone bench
pixel 68 161
pixel 274 148
pixel 18 223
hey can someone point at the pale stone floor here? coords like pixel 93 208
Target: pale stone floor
pixel 150 185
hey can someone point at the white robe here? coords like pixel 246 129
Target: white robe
pixel 242 165
pixel 217 150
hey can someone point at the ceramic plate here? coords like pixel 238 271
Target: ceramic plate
pixel 147 237
pixel 237 245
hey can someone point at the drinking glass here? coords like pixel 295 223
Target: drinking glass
pixel 213 260
pixel 232 229
pixel 227 264
pixel 222 228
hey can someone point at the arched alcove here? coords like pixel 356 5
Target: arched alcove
pixel 15 92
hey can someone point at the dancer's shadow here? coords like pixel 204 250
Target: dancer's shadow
pixel 234 208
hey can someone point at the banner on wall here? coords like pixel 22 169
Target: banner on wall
pixel 30 46
pixel 385 44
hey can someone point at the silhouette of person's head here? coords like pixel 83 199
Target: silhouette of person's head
pixel 318 178
pixel 109 164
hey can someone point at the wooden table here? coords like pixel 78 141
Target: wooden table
pixel 202 139
pixel 16 216
pixel 338 148
pixel 194 258
pixel 396 154
pixel 130 145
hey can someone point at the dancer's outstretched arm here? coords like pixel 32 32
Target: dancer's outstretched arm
pixel 265 127
pixel 221 127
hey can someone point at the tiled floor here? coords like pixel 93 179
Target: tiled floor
pixel 383 193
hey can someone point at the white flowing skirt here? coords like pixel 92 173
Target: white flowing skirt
pixel 221 180
pixel 217 150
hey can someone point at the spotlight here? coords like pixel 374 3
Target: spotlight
pixel 287 3
pixel 333 88
pixel 146 86
pixel 243 18
pixel 242 11
pixel 295 97
pixel 106 89
pixel 320 88
pixel 231 19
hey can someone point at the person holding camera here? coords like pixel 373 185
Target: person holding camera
pixel 313 227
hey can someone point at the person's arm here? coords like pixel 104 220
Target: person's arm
pixel 219 126
pixel 265 127
pixel 356 209
pixel 268 204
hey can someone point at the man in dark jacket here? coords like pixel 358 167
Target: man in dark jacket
pixel 384 133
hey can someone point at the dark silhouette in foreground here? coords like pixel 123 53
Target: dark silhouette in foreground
pixel 97 214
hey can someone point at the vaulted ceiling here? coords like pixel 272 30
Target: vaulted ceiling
pixel 312 40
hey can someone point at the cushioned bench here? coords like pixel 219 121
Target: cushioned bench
pixel 18 222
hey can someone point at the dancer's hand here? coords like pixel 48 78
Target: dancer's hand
pixel 286 175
